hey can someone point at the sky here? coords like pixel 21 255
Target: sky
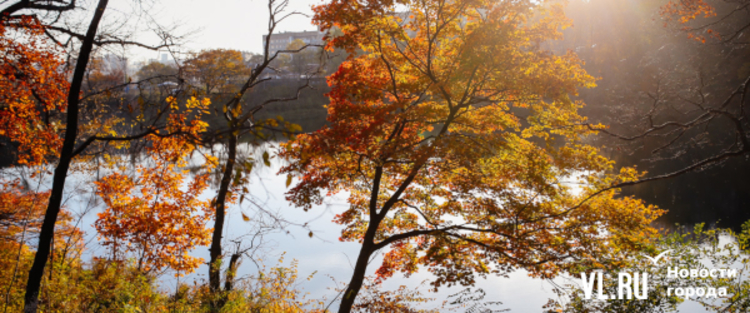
pixel 227 24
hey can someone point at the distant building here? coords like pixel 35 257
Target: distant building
pixel 281 40
pixel 164 58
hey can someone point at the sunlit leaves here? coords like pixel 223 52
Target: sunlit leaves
pixel 157 215
pixel 274 290
pixel 685 11
pixel 33 87
pixel 21 215
pixel 215 70
pixel 456 137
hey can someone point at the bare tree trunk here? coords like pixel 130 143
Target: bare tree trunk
pixel 214 272
pixel 47 232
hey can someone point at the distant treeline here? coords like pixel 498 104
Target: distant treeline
pixel 307 111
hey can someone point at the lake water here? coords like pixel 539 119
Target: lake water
pixel 323 253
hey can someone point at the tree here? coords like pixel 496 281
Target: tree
pixel 239 120
pixel 66 142
pixel 728 23
pixel 150 215
pixel 723 23
pixel 106 73
pixel 454 133
pixel 32 89
pixel 66 152
pixel 676 100
pixel 61 171
pixel 158 72
pixel 216 70
pixel 729 78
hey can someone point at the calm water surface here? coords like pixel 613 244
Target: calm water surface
pixel 323 254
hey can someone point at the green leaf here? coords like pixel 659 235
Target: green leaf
pixel 248 166
pixel 237 177
pixel 266 159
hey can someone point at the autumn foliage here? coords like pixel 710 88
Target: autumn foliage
pixel 456 135
pixel 452 129
pixel 214 69
pixel 21 213
pixel 685 11
pixel 33 87
pixel 152 214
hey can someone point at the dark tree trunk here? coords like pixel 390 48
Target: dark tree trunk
pixel 214 267
pixel 360 269
pixel 368 246
pixel 47 232
pixel 232 271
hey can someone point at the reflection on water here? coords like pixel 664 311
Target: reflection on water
pixel 718 196
pixel 323 253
